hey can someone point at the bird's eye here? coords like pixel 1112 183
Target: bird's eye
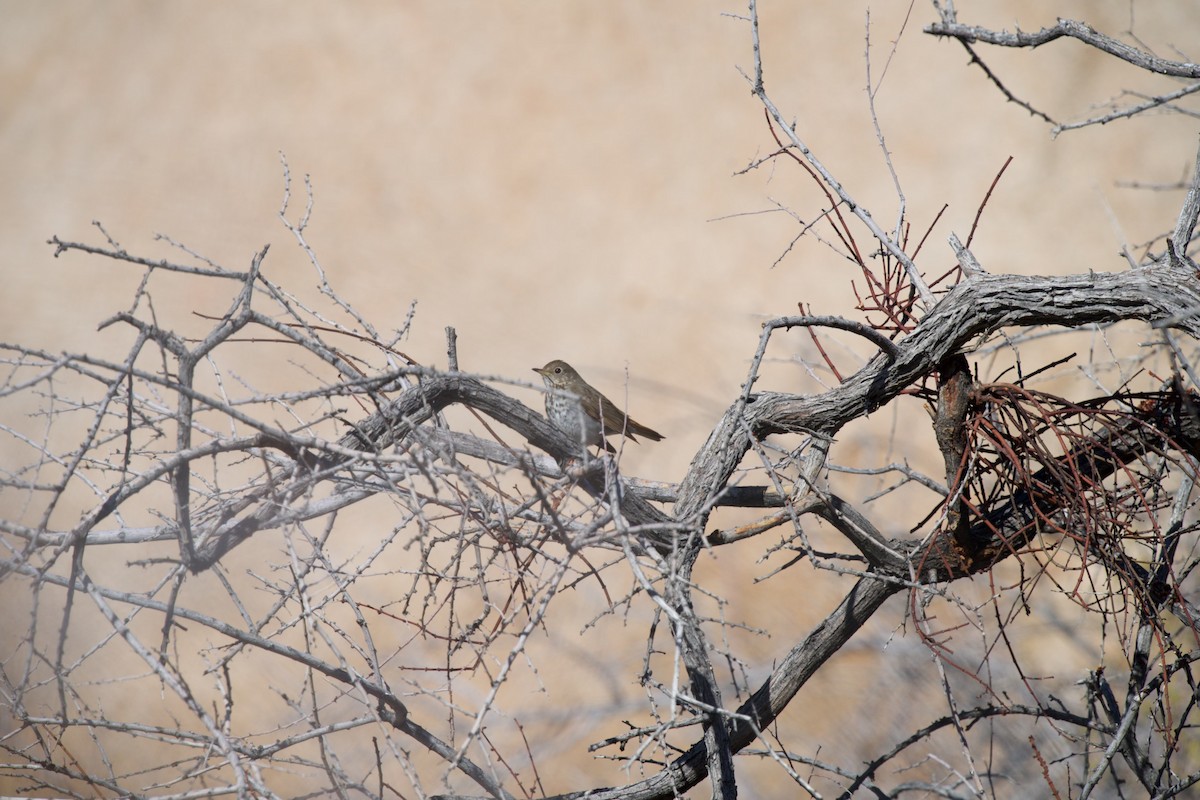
pixel 558 370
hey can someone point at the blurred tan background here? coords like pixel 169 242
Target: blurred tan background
pixel 554 180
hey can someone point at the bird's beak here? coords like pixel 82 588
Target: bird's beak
pixel 538 370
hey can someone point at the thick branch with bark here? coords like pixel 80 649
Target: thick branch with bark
pixel 1162 293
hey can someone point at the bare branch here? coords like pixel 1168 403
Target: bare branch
pixel 1070 29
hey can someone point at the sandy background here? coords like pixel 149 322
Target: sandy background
pixel 555 180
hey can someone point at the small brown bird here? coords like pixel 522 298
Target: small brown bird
pixel 572 402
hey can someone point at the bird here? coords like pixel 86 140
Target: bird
pixel 572 402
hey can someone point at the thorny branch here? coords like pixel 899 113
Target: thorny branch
pixel 971 35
